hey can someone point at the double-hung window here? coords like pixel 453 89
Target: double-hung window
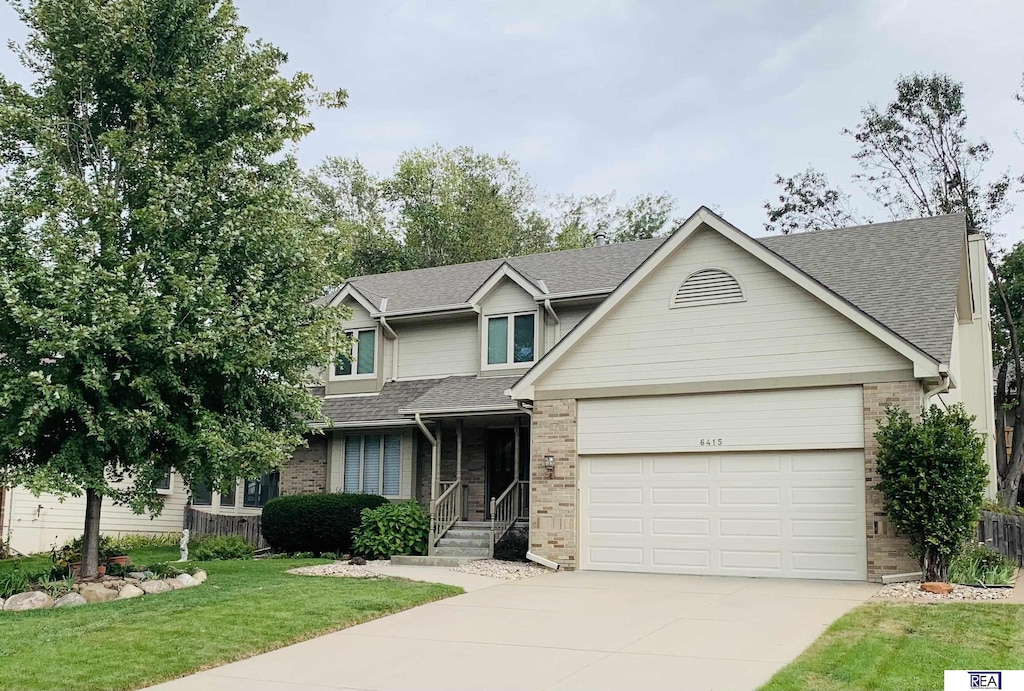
pixel 511 340
pixel 361 360
pixel 261 490
pixel 163 485
pixel 373 464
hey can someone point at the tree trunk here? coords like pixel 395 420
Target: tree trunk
pixel 91 538
pixel 934 565
pixel 1009 483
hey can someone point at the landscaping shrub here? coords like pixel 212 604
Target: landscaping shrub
pixel 981 565
pixel 329 555
pixel 129 543
pixel 315 522
pixel 211 547
pixel 303 555
pixel 15 581
pixel 513 545
pixel 392 529
pixel 933 477
pixel 162 570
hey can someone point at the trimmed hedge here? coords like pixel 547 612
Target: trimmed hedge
pixel 315 522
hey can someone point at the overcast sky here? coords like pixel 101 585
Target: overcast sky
pixel 590 96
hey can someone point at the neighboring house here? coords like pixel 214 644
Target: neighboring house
pixel 700 404
pixel 35 524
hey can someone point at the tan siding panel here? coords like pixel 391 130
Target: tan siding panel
pixel 778 331
pixel 507 297
pixel 762 420
pixel 439 348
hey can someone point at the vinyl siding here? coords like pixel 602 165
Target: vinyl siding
pixel 507 297
pixel 778 331
pixel 437 348
pixel 38 523
pixel 791 419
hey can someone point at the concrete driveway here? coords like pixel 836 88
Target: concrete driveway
pixel 562 631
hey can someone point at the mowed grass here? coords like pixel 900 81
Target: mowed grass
pixel 246 607
pixel 903 647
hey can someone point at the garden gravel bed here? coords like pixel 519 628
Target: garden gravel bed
pixel 505 570
pixel 340 569
pixel 911 590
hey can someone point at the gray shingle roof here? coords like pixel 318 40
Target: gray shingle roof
pixel 591 268
pixel 462 393
pixel 374 407
pixel 904 274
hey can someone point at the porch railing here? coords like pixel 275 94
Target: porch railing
pixel 447 509
pixel 505 511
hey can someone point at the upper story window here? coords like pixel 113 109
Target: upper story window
pixel 361 360
pixel 511 340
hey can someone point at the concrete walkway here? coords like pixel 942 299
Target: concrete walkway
pixel 562 631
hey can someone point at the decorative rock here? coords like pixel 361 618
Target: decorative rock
pixel 70 600
pixel 1 604
pixel 174 583
pixel 154 587
pixel 30 600
pixel 94 592
pixel 137 575
pixel 937 587
pixel 130 591
pixel 357 561
pixel 186 580
pixel 200 576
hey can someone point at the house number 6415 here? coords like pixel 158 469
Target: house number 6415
pixel 711 442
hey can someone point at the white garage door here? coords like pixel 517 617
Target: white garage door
pixel 726 484
pixel 797 515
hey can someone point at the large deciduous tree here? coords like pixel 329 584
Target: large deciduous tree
pixel 917 159
pixel 158 269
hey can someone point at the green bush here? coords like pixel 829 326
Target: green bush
pixel 213 547
pixel 280 555
pixel 981 565
pixel 315 522
pixel 513 545
pixel 933 476
pixel 329 555
pixel 129 543
pixel 392 529
pixel 996 507
pixel 303 555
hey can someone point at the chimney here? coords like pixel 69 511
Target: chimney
pixel 600 239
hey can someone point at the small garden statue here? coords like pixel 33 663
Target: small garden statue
pixel 183 545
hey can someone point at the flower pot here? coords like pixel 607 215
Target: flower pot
pixel 121 560
pixel 77 567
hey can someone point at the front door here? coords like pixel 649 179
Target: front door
pixel 499 453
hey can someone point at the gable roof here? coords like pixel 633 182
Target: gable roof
pixel 925 364
pixel 902 274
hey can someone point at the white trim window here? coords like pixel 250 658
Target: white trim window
pixel 373 464
pixel 361 361
pixel 163 485
pixel 510 340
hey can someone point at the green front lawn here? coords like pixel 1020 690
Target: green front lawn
pixel 246 607
pixel 903 647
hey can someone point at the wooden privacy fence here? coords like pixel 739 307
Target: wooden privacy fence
pixel 201 523
pixel 1004 534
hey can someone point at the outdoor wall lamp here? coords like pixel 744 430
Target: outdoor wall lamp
pixel 549 465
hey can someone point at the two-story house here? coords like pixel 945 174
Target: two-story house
pixel 703 403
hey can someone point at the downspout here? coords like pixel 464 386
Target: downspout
pixel 558 322
pixel 434 461
pixel 943 387
pixel 537 559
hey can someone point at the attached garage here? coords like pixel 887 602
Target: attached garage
pixel 766 483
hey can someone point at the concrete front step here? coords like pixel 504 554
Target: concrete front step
pixel 475 552
pixel 447 541
pixel 431 561
pixel 467 535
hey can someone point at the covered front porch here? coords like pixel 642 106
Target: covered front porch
pixel 473 473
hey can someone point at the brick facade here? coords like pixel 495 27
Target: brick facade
pixel 306 471
pixel 553 529
pixel 887 553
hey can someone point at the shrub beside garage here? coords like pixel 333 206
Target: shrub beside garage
pixel 315 523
